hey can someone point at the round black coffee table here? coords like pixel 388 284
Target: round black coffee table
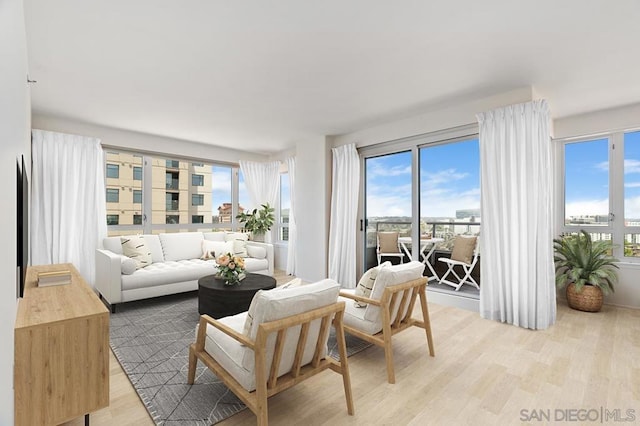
pixel 219 300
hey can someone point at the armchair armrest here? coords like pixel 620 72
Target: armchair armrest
pixel 206 319
pixel 361 299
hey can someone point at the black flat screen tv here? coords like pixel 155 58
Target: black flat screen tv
pixel 22 224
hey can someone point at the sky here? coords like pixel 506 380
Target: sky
pixel 587 177
pixel 449 181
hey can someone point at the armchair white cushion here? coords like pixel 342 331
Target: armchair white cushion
pixel 269 305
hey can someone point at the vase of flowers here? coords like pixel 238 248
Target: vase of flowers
pixel 230 268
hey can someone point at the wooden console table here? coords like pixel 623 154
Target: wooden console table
pixel 61 351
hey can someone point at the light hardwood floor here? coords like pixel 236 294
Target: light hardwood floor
pixel 484 373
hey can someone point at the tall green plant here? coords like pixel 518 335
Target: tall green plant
pixel 258 221
pixel 582 261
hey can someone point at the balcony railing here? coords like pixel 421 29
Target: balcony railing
pixel 172 164
pixel 173 184
pixel 172 205
pixel 442 229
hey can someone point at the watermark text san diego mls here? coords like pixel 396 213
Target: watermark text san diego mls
pixel 596 415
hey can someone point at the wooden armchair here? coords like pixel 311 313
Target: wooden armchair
pixel 285 351
pixel 390 313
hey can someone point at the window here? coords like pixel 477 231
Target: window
pixel 197 199
pixel 173 201
pixel 601 189
pixel 285 207
pixel 450 190
pixel 221 192
pixel 113 195
pixel 197 180
pixel 113 219
pixel 113 171
pixel 586 183
pixel 158 195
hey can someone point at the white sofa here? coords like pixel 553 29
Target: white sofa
pixel 176 266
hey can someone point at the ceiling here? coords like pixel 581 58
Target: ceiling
pixel 262 75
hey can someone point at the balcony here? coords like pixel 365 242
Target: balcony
pixel 172 205
pixel 446 230
pixel 173 184
pixel 172 164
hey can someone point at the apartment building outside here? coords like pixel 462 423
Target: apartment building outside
pixel 181 191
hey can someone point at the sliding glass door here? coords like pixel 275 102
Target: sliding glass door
pixel 388 191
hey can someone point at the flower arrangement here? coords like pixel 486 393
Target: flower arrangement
pixel 230 268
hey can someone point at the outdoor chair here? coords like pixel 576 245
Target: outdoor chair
pixel 283 343
pixel 388 309
pixel 465 255
pixel 388 246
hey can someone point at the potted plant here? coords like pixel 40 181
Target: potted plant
pixel 258 222
pixel 586 268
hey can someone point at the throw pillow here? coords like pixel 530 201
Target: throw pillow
pixel 463 248
pixel 365 285
pixel 239 242
pixel 213 249
pixel 135 247
pixel 127 265
pixel 251 313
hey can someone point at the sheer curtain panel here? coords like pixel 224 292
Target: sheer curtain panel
pixel 262 180
pixel 344 215
pixel 293 232
pixel 68 215
pixel 517 273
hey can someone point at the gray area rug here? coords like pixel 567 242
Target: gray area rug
pixel 151 340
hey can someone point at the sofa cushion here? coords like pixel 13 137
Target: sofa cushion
pixel 169 272
pixel 218 248
pixel 182 245
pixel 114 245
pixel 214 236
pixel 135 247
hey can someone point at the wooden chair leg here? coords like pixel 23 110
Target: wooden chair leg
pixel 427 321
pixel 193 362
pixel 388 353
pixel 344 365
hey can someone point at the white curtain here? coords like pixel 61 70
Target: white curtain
pixel 263 181
pixel 517 271
pixel 344 215
pixel 293 231
pixel 68 215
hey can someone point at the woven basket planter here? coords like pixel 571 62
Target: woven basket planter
pixel 588 300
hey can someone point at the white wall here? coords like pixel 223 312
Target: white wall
pixel 143 142
pixel 312 207
pixel 432 121
pixel 15 140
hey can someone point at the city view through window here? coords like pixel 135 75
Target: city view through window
pixel 185 195
pixel 449 193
